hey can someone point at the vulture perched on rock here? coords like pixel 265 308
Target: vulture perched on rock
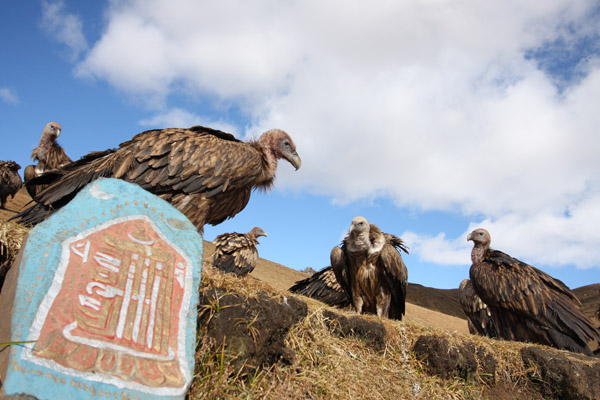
pixel 527 304
pixel 10 181
pixel 324 287
pixel 477 312
pixel 48 154
pixel 205 173
pixel 370 269
pixel 236 252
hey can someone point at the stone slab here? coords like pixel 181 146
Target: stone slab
pixel 107 291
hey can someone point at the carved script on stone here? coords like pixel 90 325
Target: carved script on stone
pixel 116 309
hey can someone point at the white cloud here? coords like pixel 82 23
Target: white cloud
pixel 178 118
pixel 65 27
pixel 432 104
pixel 8 96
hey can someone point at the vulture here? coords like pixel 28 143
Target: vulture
pixel 10 181
pixel 48 154
pixel 205 173
pixel 527 304
pixel 369 267
pixel 324 287
pixel 236 252
pixel 477 312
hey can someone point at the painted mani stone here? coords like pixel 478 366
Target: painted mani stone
pixel 107 290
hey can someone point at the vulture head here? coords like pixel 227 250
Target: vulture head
pixel 480 237
pixel 256 232
pixel 52 131
pixel 359 225
pixel 279 145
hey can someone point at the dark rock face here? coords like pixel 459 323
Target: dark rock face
pixel 562 377
pixel 372 332
pixel 251 329
pixel 465 361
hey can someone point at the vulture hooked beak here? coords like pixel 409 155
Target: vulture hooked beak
pixel 294 159
pixel 470 236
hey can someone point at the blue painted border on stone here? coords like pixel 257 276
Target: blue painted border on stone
pixel 119 199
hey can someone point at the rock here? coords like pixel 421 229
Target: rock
pixel 372 332
pixel 460 360
pixel 106 288
pixel 560 377
pixel 252 330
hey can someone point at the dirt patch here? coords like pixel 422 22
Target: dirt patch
pixel 251 330
pixel 372 332
pixel 560 377
pixel 465 361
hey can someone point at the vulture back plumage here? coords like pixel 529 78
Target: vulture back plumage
pixel 10 181
pixel 236 252
pixel 370 269
pixel 527 304
pixel 205 173
pixel 323 286
pixel 48 154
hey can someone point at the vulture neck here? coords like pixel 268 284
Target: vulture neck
pixel 270 157
pixel 478 252
pixel 41 152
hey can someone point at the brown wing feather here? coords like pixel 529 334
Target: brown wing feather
pixel 324 287
pixel 395 274
pixel 530 305
pixel 207 174
pixel 339 265
pixel 477 312
pixel 235 253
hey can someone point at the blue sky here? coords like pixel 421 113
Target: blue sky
pixel 428 118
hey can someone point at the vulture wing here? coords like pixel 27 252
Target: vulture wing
pixel 395 273
pixel 530 305
pixel 324 287
pixel 235 253
pixel 340 266
pixel 183 166
pixel 477 312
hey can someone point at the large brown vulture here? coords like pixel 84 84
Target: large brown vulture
pixel 205 173
pixel 324 287
pixel 10 181
pixel 527 304
pixel 370 269
pixel 236 252
pixel 477 312
pixel 48 154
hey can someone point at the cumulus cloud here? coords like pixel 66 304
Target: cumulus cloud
pixel 64 27
pixel 8 95
pixel 437 106
pixel 179 118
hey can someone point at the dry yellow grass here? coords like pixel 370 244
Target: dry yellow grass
pixel 329 366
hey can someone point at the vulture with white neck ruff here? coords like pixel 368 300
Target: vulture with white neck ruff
pixel 205 173
pixel 48 154
pixel 369 267
pixel 527 304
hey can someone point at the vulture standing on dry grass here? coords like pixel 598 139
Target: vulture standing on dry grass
pixel 527 304
pixel 48 154
pixel 10 181
pixel 477 312
pixel 370 269
pixel 205 173
pixel 324 287
pixel 236 252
